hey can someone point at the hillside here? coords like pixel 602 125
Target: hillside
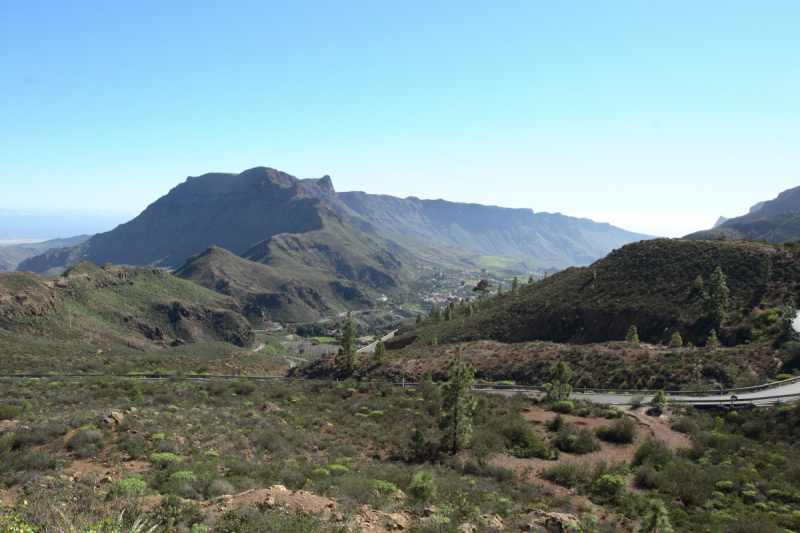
pixel 776 220
pixel 11 256
pixel 554 241
pixel 139 308
pixel 649 284
pixel 615 364
pixel 235 211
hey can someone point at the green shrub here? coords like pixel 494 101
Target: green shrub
pixel 653 452
pixel 165 459
pixel 621 431
pixel 423 487
pixel 576 440
pixel 338 470
pixel 87 442
pixel 132 487
pixel 608 486
pixel 564 406
pixel 555 424
pixel 520 440
pixel 10 412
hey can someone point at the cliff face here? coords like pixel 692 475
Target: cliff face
pixel 226 210
pixel 235 211
pixel 554 239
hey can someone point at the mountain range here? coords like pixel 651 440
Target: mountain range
pixel 775 220
pixel 293 250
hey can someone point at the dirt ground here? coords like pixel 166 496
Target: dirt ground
pixel 530 469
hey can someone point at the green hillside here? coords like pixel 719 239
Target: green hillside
pixel 139 308
pixel 11 256
pixel 650 284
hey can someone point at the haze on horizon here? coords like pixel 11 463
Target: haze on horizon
pixel 657 118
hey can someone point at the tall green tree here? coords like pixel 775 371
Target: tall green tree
pixel 676 341
pixel 436 314
pixel 483 286
pixel 657 519
pixel 380 353
pixel 633 335
pixel 419 318
pixel 458 403
pixel 559 388
pixel 470 310
pixel 530 280
pixel 766 271
pixel 788 316
pixel 348 359
pixel 500 290
pixel 515 286
pixel 448 313
pixel 714 303
pixel 713 341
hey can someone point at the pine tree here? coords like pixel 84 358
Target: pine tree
pixel 500 290
pixel 713 341
pixel 448 314
pixel 698 283
pixel 559 388
pixel 676 341
pixel 470 310
pixel 594 274
pixel 788 316
pixel 514 286
pixel 766 271
pixel 483 286
pixel 659 401
pixel 632 335
pixel 714 303
pixel 347 354
pixel 657 519
pixel 435 342
pixel 380 353
pixel 530 280
pixel 427 377
pixel 436 314
pixel 419 318
pixel 458 403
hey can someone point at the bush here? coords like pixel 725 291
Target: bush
pixel 521 441
pixel 621 431
pixel 10 412
pixel 132 487
pixel 164 460
pixel 87 442
pixel 423 487
pixel 608 486
pixel 555 424
pixel 653 452
pixel 564 407
pixel 573 440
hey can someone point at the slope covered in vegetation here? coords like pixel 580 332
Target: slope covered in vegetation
pixel 657 286
pixel 140 308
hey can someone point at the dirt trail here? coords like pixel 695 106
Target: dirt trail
pixel 529 469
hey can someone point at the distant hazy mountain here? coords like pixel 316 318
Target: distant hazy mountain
pixel 554 240
pixel 235 211
pixel 13 254
pixel 775 220
pixel 720 221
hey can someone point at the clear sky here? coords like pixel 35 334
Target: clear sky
pixel 656 116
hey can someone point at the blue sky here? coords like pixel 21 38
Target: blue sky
pixel 656 116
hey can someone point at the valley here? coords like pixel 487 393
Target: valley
pixel 205 373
